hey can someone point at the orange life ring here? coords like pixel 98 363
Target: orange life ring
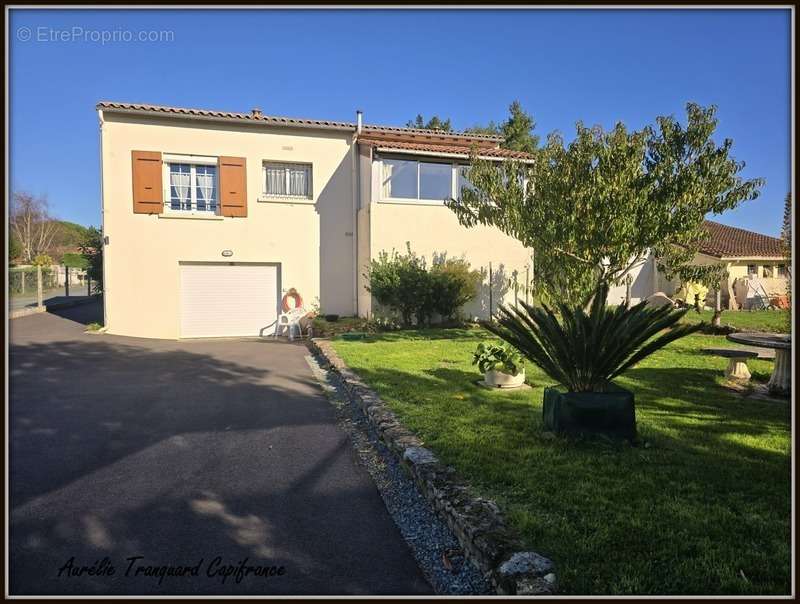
pixel 298 300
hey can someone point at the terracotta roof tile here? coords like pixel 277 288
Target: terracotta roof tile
pixel 731 242
pixel 448 149
pixel 290 121
pixel 206 113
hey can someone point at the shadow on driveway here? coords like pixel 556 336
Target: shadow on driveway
pixel 182 451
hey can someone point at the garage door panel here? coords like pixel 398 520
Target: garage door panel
pixel 228 300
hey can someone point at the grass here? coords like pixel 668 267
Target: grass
pixel 757 320
pixel 700 506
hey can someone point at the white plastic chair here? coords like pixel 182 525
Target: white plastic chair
pixel 289 321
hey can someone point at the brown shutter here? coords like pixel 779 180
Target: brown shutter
pixel 148 194
pixel 233 186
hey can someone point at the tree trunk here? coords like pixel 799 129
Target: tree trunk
pixel 716 319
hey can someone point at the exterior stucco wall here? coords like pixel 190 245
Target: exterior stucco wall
pixel 434 229
pixel 310 240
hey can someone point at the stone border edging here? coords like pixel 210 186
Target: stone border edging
pixel 477 523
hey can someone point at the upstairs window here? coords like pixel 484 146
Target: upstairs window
pixel 416 180
pixel 287 180
pixel 752 270
pixel 192 187
pixel 782 270
pixel 462 182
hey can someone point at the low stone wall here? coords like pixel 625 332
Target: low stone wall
pixel 477 523
pixel 58 303
pixel 24 312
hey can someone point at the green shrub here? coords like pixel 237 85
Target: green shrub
pixel 453 284
pixel 14 248
pixel 585 352
pixel 42 260
pixel 73 260
pixel 496 357
pixel 92 252
pixel 400 282
pixel 404 284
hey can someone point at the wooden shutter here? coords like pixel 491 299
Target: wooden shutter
pixel 148 193
pixel 233 186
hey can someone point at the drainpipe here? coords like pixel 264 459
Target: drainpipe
pixel 102 218
pixel 356 179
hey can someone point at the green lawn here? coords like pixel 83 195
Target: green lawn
pixel 756 320
pixel 700 506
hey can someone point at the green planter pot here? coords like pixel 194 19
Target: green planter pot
pixel 609 413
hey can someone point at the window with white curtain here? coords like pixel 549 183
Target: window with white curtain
pixel 420 180
pixel 287 180
pixel 192 187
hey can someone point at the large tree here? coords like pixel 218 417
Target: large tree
pixel 786 239
pixel 786 228
pixel 594 208
pixel 92 251
pixel 517 130
pixel 32 225
pixel 435 123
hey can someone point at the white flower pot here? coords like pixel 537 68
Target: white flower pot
pixel 498 379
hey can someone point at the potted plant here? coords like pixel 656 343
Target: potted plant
pixel 502 366
pixel 583 352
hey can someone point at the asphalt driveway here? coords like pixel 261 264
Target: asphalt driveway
pixel 147 455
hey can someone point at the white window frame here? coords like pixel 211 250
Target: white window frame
pixel 417 200
pixel 192 160
pixel 455 190
pixel 308 197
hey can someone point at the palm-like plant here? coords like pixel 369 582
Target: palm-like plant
pixel 584 352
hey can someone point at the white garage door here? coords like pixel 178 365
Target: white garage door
pixel 228 300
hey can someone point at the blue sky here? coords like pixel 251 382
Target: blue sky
pixel 598 66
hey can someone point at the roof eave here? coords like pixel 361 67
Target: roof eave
pixel 742 258
pixel 224 119
pixel 454 155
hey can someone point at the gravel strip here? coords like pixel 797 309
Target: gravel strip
pixel 434 546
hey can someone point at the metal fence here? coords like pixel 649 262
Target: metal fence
pixel 35 286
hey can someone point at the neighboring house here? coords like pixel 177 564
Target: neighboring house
pixel 748 256
pixel 752 261
pixel 209 217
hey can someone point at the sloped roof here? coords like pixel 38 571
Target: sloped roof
pixel 459 150
pixel 730 242
pixel 253 117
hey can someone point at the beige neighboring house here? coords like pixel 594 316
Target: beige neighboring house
pixel 756 264
pixel 210 217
